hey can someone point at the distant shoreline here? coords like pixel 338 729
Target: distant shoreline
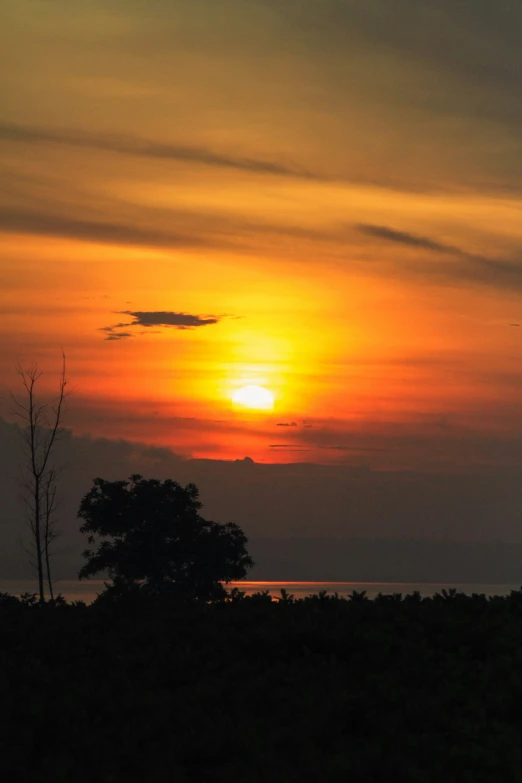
pixel 74 590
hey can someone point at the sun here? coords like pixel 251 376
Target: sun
pixel 254 397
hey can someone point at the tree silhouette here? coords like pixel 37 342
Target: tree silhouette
pixel 149 536
pixel 42 427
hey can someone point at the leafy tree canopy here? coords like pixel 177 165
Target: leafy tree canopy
pixel 148 535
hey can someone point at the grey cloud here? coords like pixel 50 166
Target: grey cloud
pixel 288 447
pixel 467 54
pixel 146 148
pixel 444 79
pixel 287 424
pixel 202 230
pixel 150 318
pixel 454 442
pixel 112 336
pixel 343 447
pixel 195 229
pixel 467 267
pixel 328 447
pixel 404 238
pixel 167 318
pixel 16 221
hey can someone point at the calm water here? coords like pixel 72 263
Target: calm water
pixel 87 591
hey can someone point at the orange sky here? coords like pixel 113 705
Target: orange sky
pixel 336 190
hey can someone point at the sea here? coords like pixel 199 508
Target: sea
pixel 73 590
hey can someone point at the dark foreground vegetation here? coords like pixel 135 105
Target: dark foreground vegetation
pixel 249 690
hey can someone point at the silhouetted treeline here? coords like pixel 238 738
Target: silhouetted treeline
pixel 250 689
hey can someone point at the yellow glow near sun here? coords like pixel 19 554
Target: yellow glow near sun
pixel 254 397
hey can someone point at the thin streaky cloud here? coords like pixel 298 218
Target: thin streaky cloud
pixel 467 267
pixel 113 336
pixel 196 230
pixel 146 148
pixel 20 221
pixel 405 238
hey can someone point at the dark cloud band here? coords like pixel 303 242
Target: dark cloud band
pixel 145 148
pixel 404 238
pixel 464 267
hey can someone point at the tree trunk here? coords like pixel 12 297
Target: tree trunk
pixel 38 540
pixel 48 566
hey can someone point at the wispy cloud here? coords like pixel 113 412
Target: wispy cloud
pixel 465 267
pixel 153 228
pixel 113 335
pixel 404 238
pixel 288 447
pixel 21 221
pixel 146 148
pixel 149 318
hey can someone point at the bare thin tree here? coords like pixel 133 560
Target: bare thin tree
pixel 43 424
pixel 49 523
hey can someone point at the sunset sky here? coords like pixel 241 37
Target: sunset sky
pixel 319 197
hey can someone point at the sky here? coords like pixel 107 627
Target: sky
pixel 319 197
